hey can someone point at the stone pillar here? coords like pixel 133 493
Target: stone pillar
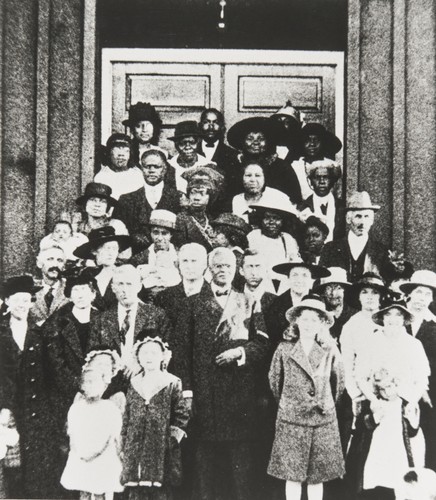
pixel 391 119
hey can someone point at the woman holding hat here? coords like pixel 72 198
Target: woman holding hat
pixel 104 248
pixel 33 469
pixel 306 378
pixel 257 138
pixel 255 191
pixel 144 124
pixel 421 292
pixel 317 143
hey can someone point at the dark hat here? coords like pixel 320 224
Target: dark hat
pixel 368 280
pixel 19 284
pixel 208 171
pixel 294 122
pixel 273 130
pixel 187 128
pixel 378 317
pixel 331 143
pixel 316 271
pixel 316 222
pixel 231 220
pixel 118 139
pixel 97 190
pixel 142 111
pixel 98 237
pixel 79 276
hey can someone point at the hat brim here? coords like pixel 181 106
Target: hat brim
pixel 321 287
pixel 272 129
pixel 161 224
pixel 5 293
pixel 174 138
pixel 85 251
pixel 331 143
pixel 378 316
pixel 81 200
pixel 409 286
pixel 263 208
pixel 316 271
pixel 242 229
pixel 293 312
pixel 376 208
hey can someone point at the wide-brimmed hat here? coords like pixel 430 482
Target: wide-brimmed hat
pixel 79 276
pixel 273 131
pixel 19 284
pixel 315 270
pixel 338 276
pixel 333 167
pixel 278 205
pixel 142 111
pixel 360 200
pixel 162 218
pixel 188 128
pixel 314 303
pixel 331 143
pixel 118 139
pixel 231 220
pixel 368 280
pixel 97 190
pixel 378 316
pixel 423 277
pixel 98 237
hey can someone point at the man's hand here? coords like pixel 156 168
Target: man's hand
pixel 228 356
pixel 188 403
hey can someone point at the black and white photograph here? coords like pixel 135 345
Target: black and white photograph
pixel 218 249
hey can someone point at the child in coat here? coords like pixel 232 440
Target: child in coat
pixel 153 426
pixel 306 378
pixel 94 427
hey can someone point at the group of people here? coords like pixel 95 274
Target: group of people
pixel 218 324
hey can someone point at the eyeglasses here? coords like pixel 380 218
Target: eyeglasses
pixel 186 142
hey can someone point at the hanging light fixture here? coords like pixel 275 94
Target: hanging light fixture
pixel 222 21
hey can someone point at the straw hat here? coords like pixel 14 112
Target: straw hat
pixel 423 277
pixel 400 305
pixel 338 276
pixel 314 303
pixel 281 206
pixel 360 200
pixel 162 218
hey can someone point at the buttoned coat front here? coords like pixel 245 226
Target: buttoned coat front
pixel 306 389
pixel 40 312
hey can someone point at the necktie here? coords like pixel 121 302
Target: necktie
pixel 221 293
pixel 48 298
pixel 125 326
pixel 324 209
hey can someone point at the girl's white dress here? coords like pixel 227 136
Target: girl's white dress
pixel 93 428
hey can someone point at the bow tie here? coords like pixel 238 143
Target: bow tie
pixel 324 208
pixel 210 144
pixel 221 293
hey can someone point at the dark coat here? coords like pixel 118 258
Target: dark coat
pixel 224 397
pixel 106 301
pixel 275 319
pixel 26 380
pixel 187 231
pixel 146 435
pixel 339 230
pixel 134 210
pixel 338 254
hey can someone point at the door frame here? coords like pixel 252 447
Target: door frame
pixel 220 56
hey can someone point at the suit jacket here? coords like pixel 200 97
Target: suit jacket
pixel 224 397
pixel 275 319
pixel 134 210
pixel 339 230
pixel 40 312
pixel 103 302
pixel 337 254
pixel 150 321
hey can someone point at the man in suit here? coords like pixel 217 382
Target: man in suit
pixel 129 321
pixel 51 262
pixel 217 355
pixel 322 203
pixel 212 147
pixel 134 208
pixel 358 252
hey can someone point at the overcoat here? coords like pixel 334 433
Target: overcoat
pixel 307 444
pixel 187 231
pixel 224 397
pixel 24 375
pixel 275 318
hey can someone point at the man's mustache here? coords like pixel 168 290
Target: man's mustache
pixel 54 268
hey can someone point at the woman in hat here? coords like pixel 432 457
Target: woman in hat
pixel 24 391
pixel 193 225
pixel 153 426
pixel 186 137
pixel 157 263
pixel 401 360
pixel 306 378
pixel 273 239
pixel 420 292
pixel 290 119
pixel 145 125
pixel 255 191
pixel 104 249
pixel 317 143
pixel 257 138
pixel 210 174
pixel 119 170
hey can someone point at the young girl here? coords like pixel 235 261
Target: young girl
pixel 306 378
pixel 153 426
pixel 63 236
pixel 94 426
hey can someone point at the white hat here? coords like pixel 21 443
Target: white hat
pixel 423 277
pixel 360 200
pixel 162 218
pixel 289 110
pixel 337 276
pixel 310 302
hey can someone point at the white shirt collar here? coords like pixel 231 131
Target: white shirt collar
pixel 208 152
pixel 19 331
pixel 357 243
pixel 222 300
pixel 153 193
pixel 122 311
